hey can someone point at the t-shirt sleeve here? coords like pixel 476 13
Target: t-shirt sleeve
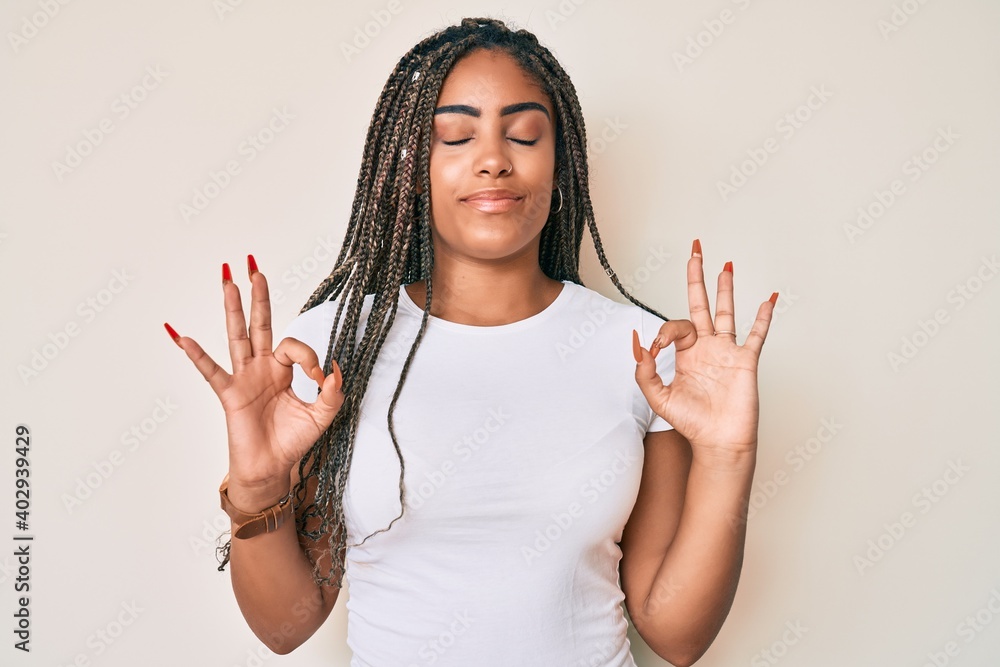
pixel 664 366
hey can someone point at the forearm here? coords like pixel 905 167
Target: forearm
pixel 273 583
pixel 695 584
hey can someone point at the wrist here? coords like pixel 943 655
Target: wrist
pixel 250 524
pixel 738 461
pixel 254 497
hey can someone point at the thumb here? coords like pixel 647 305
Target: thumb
pixel 331 396
pixel 645 372
pixel 679 332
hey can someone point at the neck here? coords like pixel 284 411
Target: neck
pixel 486 294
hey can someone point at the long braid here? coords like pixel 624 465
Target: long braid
pixel 388 244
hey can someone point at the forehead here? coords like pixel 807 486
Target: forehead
pixel 489 80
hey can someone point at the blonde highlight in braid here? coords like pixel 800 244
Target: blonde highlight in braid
pixel 388 244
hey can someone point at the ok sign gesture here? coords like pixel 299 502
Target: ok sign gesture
pixel 712 400
pixel 270 428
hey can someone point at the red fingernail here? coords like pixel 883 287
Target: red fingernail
pixel 774 298
pixel 696 248
pixel 728 267
pixel 636 348
pixel 251 266
pixel 227 275
pixel 173 334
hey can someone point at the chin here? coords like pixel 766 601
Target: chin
pixel 486 236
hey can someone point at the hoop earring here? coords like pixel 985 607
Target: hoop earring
pixel 559 190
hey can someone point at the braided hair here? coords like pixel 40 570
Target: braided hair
pixel 388 243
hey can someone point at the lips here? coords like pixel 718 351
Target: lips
pixel 493 200
pixel 493 193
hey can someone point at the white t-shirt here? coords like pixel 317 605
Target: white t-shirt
pixel 523 453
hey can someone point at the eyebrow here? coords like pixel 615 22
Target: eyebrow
pixel 505 111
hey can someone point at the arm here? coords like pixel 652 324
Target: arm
pixel 681 549
pixel 270 431
pixel 272 577
pixel 686 539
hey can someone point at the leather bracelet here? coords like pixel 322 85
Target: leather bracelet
pixel 250 525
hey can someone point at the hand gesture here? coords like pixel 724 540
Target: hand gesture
pixel 712 400
pixel 270 428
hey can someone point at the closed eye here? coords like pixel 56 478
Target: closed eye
pixel 523 142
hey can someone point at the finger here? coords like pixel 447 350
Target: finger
pixel 646 377
pixel 213 373
pixel 725 310
pixel 758 332
pixel 697 296
pixel 236 325
pixel 260 310
pixel 292 351
pixel 331 397
pixel 679 332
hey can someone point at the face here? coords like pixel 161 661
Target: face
pixel 492 160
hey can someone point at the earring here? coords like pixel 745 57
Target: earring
pixel 559 190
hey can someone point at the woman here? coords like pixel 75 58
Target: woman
pixel 493 394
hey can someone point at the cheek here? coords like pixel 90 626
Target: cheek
pixel 542 166
pixel 445 175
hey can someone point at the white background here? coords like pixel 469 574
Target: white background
pixel 896 75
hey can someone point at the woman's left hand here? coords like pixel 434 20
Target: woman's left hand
pixel 712 400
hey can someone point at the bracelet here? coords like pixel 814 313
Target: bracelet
pixel 249 525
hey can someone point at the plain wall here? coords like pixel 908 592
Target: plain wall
pixel 873 212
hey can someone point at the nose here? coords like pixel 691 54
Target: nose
pixel 491 157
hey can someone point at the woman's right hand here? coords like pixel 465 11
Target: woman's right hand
pixel 270 428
